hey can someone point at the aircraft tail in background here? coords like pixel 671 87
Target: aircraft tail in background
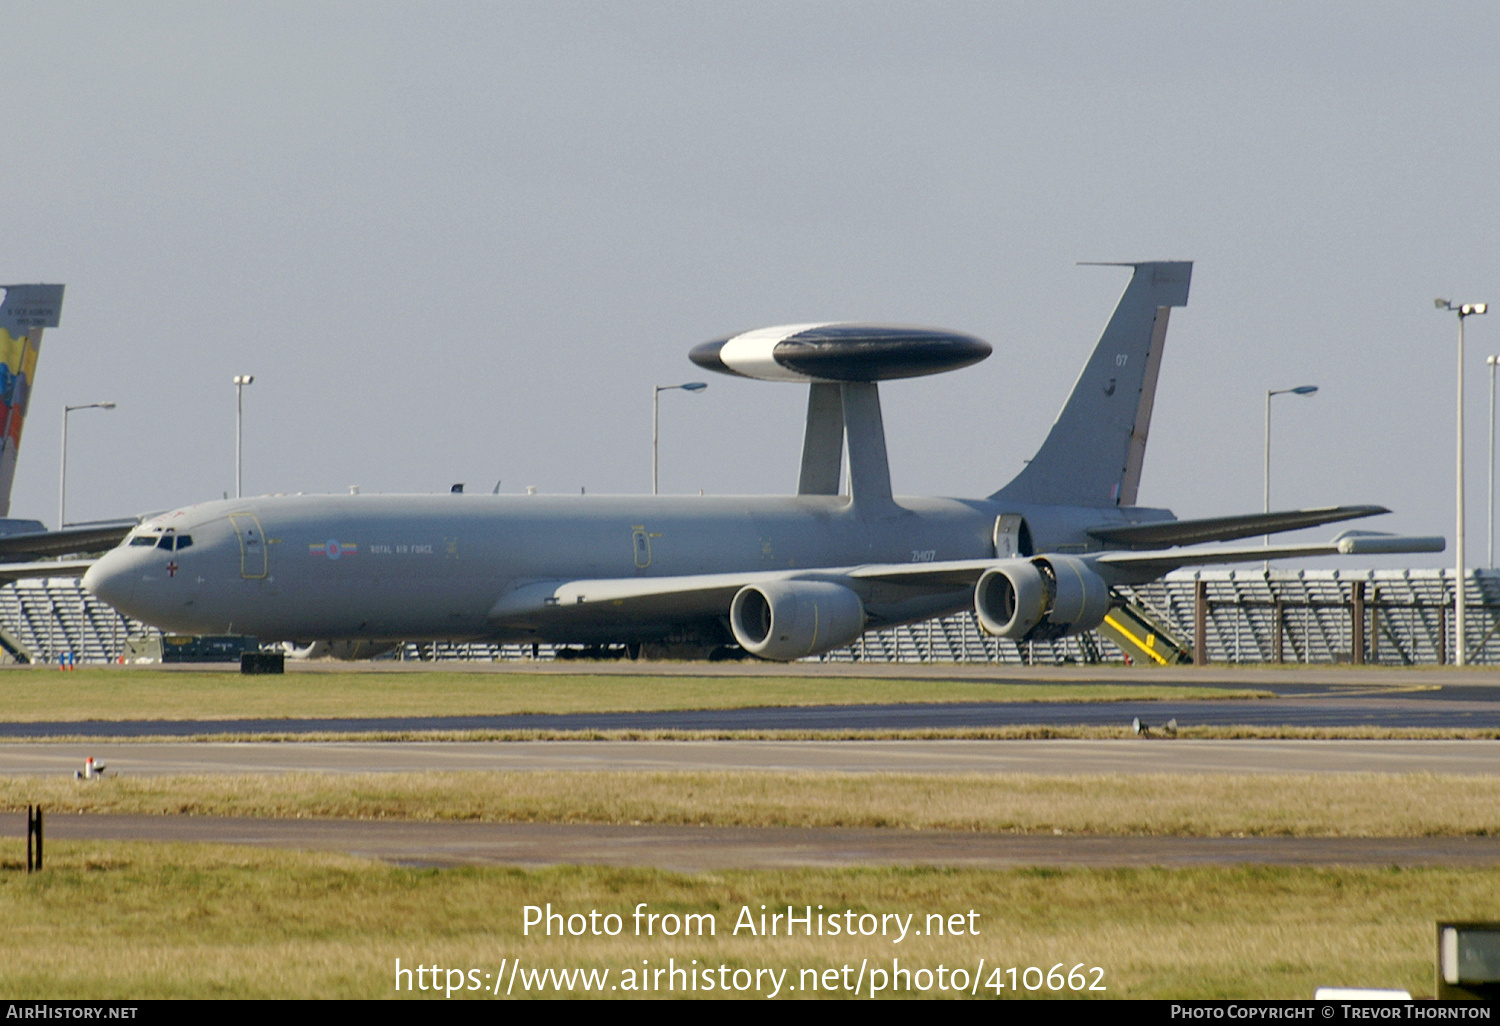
pixel 1096 448
pixel 26 311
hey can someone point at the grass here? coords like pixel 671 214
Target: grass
pixel 1334 805
pixel 129 920
pixel 128 693
pixel 137 921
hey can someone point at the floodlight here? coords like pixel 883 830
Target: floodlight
pixel 62 474
pixel 691 386
pixel 1464 311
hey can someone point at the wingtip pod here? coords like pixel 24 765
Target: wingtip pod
pixel 1362 543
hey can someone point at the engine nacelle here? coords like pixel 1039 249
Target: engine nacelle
pixel 1011 598
pixel 1043 598
pixel 787 620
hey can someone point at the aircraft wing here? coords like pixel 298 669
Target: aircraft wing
pixel 1136 567
pixel 1166 533
pixel 631 599
pixel 1131 567
pixel 637 599
pixel 91 537
pixel 44 568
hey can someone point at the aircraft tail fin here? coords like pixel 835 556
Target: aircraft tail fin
pixel 25 312
pixel 1096 448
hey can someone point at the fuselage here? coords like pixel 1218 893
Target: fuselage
pixel 393 567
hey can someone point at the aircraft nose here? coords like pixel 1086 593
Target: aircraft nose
pixel 109 580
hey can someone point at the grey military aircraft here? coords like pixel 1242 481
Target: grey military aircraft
pixel 779 577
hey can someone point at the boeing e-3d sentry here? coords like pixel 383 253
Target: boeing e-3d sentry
pixel 779 577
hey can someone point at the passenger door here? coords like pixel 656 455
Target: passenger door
pixel 252 545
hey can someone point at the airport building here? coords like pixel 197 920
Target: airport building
pixel 1390 617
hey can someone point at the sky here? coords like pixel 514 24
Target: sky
pixel 464 241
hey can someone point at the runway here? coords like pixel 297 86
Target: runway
pixel 702 849
pixel 1470 758
pixel 1392 711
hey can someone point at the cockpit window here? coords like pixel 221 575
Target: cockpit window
pixel 167 540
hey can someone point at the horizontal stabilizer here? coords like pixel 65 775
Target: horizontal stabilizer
pixel 1167 533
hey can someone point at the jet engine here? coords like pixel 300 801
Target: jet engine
pixel 787 620
pixel 1043 598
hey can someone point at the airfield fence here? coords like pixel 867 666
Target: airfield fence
pixel 1408 620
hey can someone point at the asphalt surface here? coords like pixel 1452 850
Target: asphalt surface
pixel 1401 709
pixel 1469 758
pixel 700 849
pixel 1306 696
pixel 1268 675
pixel 1316 697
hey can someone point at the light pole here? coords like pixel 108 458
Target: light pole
pixel 1490 554
pixel 1299 390
pixel 62 476
pixel 691 386
pixel 1459 644
pixel 240 381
